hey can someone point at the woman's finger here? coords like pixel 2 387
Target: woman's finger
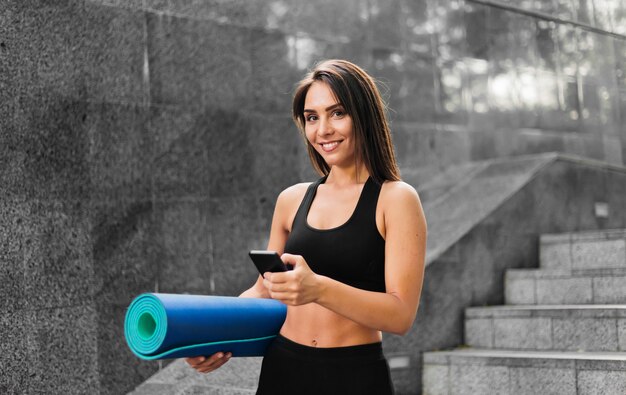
pixel 195 360
pixel 215 364
pixel 200 362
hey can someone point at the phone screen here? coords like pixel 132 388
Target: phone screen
pixel 267 261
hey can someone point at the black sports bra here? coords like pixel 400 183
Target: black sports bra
pixel 352 253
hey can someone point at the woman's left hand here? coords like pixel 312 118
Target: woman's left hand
pixel 295 287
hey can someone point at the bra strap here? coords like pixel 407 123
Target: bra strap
pixel 303 210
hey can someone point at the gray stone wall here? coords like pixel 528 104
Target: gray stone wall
pixel 142 143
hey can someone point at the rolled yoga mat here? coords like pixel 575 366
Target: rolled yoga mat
pixel 161 326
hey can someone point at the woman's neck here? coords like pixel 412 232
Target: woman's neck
pixel 347 176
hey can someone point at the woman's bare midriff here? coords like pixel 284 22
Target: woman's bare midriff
pixel 316 326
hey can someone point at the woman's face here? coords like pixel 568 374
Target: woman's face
pixel 328 127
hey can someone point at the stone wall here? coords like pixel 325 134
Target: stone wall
pixel 143 143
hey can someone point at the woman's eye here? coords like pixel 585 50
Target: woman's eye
pixel 338 113
pixel 311 118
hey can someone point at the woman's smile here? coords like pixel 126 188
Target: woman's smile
pixel 329 146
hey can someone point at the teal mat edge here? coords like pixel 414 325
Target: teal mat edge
pixel 164 355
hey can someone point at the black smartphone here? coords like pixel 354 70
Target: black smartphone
pixel 267 261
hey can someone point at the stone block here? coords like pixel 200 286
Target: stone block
pixel 119 370
pixel 273 75
pixel 230 154
pixel 123 251
pixel 48 48
pixel 227 80
pixel 121 151
pixel 613 149
pixel 198 63
pixel 564 290
pixel 473 379
pixel 12 280
pixel 237 12
pixel 198 154
pixel 452 147
pixel 13 236
pixel 616 190
pixel 176 70
pixel 180 163
pixel 237 374
pixel 599 254
pixel 176 373
pixel 58 266
pixel 9 69
pixel 11 160
pixel 413 100
pixel 601 382
pixel 519 290
pixel 479 332
pixel 615 364
pixel 184 247
pixel 523 333
pixel 621 334
pixel 278 157
pixel 592 334
pixel 530 381
pixel 435 379
pixel 413 146
pixel 112 52
pixel 55 147
pixel 236 229
pixel 154 389
pixel 201 390
pixel 61 344
pixel 332 21
pixel 14 360
pixel 555 255
pixel 609 290
pixel 133 4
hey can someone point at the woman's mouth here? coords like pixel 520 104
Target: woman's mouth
pixel 330 146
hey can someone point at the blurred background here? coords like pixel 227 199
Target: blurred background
pixel 143 142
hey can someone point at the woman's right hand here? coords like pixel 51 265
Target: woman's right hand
pixel 208 364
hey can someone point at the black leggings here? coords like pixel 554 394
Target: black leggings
pixel 292 368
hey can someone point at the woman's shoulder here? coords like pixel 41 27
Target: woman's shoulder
pixel 293 194
pixel 400 202
pixel 398 189
pixel 399 195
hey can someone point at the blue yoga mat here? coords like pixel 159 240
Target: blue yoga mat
pixel 162 326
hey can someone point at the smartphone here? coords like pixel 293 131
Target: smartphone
pixel 267 261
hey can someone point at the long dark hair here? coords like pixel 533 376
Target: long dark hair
pixel 358 94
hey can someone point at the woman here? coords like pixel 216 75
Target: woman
pixel 356 239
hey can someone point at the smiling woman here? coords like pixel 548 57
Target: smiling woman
pixel 356 239
pixel 356 95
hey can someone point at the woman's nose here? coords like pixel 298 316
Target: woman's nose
pixel 325 128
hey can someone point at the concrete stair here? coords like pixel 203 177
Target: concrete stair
pixel 576 268
pixel 562 331
pixel 564 287
pixel 485 372
pixel 555 328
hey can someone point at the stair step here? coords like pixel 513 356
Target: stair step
pixel 237 377
pixel 605 249
pixel 558 327
pixel 525 286
pixel 478 371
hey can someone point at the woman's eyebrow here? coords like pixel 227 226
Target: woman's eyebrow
pixel 326 109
